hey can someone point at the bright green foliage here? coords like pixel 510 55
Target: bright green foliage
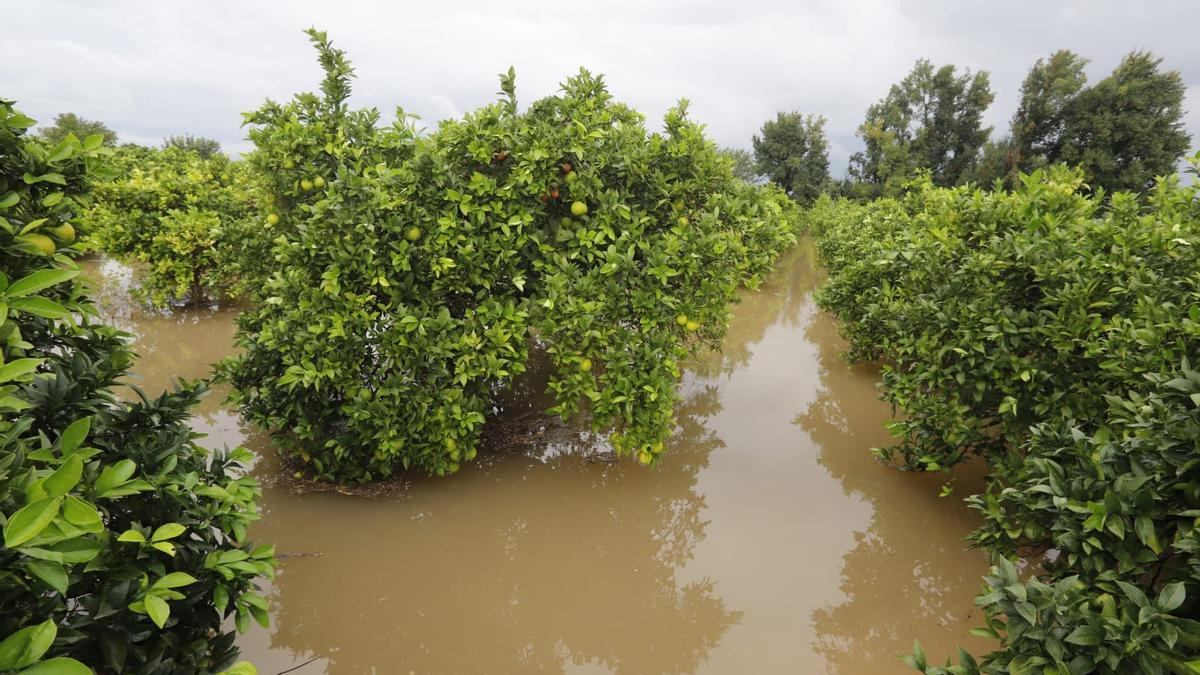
pixel 1054 333
pixel 413 273
pixel 932 120
pixel 123 541
pixel 190 222
pixel 794 154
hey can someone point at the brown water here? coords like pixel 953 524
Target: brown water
pixel 768 541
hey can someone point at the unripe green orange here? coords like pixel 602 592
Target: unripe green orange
pixel 585 366
pixel 306 184
pixel 64 232
pixel 681 319
pixel 470 454
pixel 413 233
pixel 319 182
pixel 289 164
pixel 683 221
pixel 578 208
pixel 693 326
pixel 451 446
pixel 570 177
pixel 272 219
pixel 46 244
pixel 644 458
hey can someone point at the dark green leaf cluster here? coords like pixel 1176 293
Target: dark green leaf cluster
pixel 1123 131
pixel 1054 333
pixel 123 541
pixel 413 274
pixel 793 153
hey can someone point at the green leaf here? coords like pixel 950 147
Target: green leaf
pixel 175 580
pixel 82 514
pixel 9 200
pixel 1086 636
pixel 1171 596
pixel 61 665
pixel 168 531
pixel 53 574
pixel 39 306
pixel 39 280
pixel 18 369
pixel 157 609
pixel 26 523
pixel 27 645
pixel 133 536
pixel 65 477
pixel 72 437
pixel 113 476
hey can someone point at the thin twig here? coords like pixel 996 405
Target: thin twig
pixel 299 666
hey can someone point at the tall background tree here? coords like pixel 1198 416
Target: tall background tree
pixel 794 154
pixel 70 123
pixel 1122 132
pixel 744 166
pixel 1128 128
pixel 930 120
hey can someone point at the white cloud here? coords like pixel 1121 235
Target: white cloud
pixel 151 68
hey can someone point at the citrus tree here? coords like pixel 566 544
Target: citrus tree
pixel 413 273
pixel 1056 334
pixel 187 219
pixel 123 541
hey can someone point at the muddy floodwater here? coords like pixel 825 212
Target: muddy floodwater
pixel 767 541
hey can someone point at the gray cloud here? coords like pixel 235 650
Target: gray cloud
pixel 149 69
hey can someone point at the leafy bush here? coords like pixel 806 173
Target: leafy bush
pixel 188 219
pixel 412 271
pixel 1055 334
pixel 123 541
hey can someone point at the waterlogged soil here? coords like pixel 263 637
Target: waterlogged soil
pixel 769 540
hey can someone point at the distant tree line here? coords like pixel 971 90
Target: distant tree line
pixel 1122 131
pixel 72 124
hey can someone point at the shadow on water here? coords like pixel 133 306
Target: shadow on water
pixel 768 540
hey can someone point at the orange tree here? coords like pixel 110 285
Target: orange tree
pixel 189 221
pixel 1055 334
pixel 413 273
pixel 123 541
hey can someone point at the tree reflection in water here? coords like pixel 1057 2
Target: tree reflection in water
pixel 899 584
pixel 532 561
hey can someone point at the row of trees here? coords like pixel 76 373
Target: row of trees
pixel 1122 132
pixel 1054 333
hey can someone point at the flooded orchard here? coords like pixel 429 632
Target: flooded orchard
pixel 768 540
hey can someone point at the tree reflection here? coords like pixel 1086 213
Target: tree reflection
pixel 532 561
pixel 909 575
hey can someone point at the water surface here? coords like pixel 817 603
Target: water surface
pixel 767 541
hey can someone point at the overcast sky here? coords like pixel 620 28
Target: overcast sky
pixel 150 68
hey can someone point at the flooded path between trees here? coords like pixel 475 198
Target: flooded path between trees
pixel 768 540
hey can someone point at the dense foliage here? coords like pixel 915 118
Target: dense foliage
pixel 932 120
pixel 412 272
pixel 1056 334
pixel 1122 132
pixel 123 541
pixel 794 154
pixel 188 219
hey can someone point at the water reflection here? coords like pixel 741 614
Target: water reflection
pixel 900 583
pixel 768 540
